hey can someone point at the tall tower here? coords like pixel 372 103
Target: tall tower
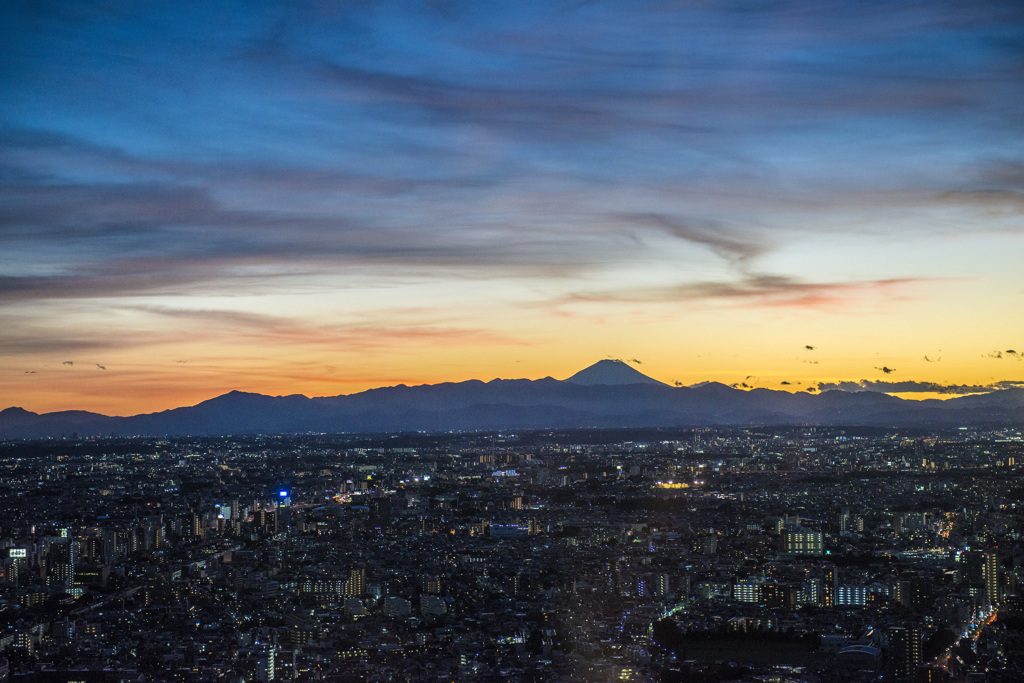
pixel 991 575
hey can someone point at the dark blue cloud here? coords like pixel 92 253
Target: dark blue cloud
pixel 156 144
pixel 909 387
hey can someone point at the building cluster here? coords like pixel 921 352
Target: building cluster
pixel 740 554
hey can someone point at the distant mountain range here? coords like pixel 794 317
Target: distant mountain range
pixel 607 394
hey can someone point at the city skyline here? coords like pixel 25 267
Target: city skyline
pixel 320 200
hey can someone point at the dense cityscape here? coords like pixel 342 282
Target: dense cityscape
pixel 496 342
pixel 640 555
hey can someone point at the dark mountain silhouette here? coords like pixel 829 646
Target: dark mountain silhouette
pixel 608 394
pixel 611 372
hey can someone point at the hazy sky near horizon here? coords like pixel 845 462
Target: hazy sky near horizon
pixel 324 197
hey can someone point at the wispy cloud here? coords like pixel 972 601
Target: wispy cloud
pixel 269 329
pixel 728 243
pixel 26 339
pixel 764 290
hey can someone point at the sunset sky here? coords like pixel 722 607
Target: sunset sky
pixel 320 198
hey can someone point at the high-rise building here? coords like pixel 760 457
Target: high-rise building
pixel 828 587
pixel 851 596
pixel 981 572
pixel 707 545
pixel 684 587
pixel 747 590
pixel 60 574
pixel 914 592
pixel 812 592
pixel 63 556
pixel 397 607
pixel 265 664
pixel 356 583
pixel 992 578
pixel 381 511
pixel 905 646
pixel 110 546
pixel 14 570
pixel 776 595
pixel 662 584
pixel 973 566
pixel 802 542
pixel 432 605
pixel 153 532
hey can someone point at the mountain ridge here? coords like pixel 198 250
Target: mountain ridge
pixel 606 394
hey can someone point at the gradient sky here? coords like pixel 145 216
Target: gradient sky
pixel 320 198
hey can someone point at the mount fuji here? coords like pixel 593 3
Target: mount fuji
pixel 611 372
pixel 608 394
